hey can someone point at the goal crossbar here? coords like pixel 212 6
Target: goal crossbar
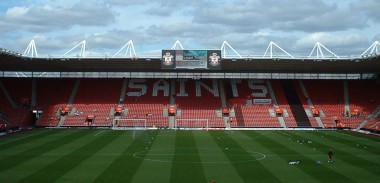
pixel 124 124
pixel 191 124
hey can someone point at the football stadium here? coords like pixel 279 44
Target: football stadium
pixel 190 116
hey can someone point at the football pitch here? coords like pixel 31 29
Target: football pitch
pixel 54 155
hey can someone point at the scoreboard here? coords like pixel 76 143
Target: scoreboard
pixel 191 59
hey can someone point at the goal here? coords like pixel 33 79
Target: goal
pixel 132 124
pixel 191 124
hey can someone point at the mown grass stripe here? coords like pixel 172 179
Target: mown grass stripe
pixel 25 138
pixel 375 140
pixel 215 164
pixel 277 165
pixel 249 171
pixel 158 165
pixel 347 157
pixel 350 142
pixel 22 157
pixel 123 168
pixel 56 169
pixel 313 171
pixel 185 172
pixel 97 162
pixel 322 144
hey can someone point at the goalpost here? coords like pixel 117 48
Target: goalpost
pixel 191 124
pixel 129 124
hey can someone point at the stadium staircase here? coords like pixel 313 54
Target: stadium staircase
pixel 122 93
pixel 283 104
pixel 275 103
pixel 346 97
pixel 249 114
pixel 239 117
pixel 52 95
pixel 372 118
pixel 33 99
pixel 364 97
pixel 69 104
pixel 222 93
pixel 92 102
pixel 308 106
pixel 8 96
pixel 73 93
pixel 327 95
pixel 295 104
pixel 112 117
pixel 16 101
pixel 172 103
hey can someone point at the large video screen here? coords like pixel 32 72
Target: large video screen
pixel 191 59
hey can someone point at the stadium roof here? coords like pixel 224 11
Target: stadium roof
pixel 273 50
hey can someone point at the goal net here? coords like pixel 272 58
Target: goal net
pixel 196 124
pixel 132 124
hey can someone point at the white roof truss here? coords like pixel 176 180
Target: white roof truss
pixel 31 49
pixel 129 50
pixel 319 50
pixel 373 49
pixel 226 48
pixel 82 52
pixel 177 46
pixel 271 51
pixel 20 74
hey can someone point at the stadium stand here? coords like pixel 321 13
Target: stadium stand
pixel 199 99
pixel 247 114
pixel 141 102
pixel 238 92
pixel 93 101
pixel 224 103
pixel 52 96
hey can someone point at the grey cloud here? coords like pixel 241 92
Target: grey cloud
pixel 162 10
pixel 332 21
pixel 46 19
pixel 126 2
pixel 305 15
pixel 185 30
pixel 369 7
pixel 376 38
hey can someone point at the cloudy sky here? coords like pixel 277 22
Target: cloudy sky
pixel 346 27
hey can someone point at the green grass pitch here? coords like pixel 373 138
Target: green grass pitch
pixel 52 155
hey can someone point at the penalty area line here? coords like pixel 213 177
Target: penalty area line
pixel 99 132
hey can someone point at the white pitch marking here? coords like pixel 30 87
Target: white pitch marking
pixel 22 138
pixel 100 132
